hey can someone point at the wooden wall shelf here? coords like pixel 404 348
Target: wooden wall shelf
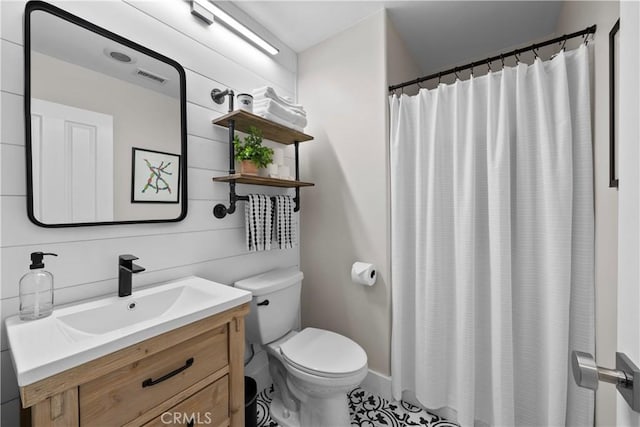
pixel 242 120
pixel 270 130
pixel 261 180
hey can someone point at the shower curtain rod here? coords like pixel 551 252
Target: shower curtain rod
pixel 488 61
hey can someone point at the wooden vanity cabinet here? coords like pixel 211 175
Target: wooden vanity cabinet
pixel 190 376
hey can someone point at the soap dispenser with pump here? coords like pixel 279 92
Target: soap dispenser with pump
pixel 36 290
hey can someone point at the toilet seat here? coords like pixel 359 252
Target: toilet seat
pixel 324 353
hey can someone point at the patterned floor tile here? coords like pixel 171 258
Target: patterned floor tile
pixel 366 410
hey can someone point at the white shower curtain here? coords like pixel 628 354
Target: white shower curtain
pixel 492 244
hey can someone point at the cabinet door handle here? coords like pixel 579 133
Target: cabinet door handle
pixel 149 382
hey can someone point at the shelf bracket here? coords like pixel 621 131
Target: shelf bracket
pixel 220 210
pixel 297 198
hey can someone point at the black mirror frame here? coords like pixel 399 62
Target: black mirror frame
pixel 35 5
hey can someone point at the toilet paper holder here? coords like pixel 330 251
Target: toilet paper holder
pixel 363 273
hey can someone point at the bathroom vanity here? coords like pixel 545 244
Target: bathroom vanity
pixel 185 375
pixel 111 390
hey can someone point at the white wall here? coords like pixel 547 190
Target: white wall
pixel 576 15
pixel 341 83
pixel 201 244
pixel 628 333
pixel 401 66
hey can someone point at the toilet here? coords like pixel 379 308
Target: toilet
pixel 312 369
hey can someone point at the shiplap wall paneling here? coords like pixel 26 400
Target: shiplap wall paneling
pixel 200 245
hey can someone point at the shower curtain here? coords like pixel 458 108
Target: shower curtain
pixel 492 244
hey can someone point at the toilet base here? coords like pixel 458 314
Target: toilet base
pixel 282 415
pixel 318 412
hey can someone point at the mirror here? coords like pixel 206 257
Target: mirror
pixel 105 125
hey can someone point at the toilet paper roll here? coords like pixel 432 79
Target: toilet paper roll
pixel 363 273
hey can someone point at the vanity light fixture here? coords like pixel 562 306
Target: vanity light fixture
pixel 207 11
pixel 199 9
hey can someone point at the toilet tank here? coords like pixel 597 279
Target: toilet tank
pixel 275 305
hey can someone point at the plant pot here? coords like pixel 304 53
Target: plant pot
pixel 248 167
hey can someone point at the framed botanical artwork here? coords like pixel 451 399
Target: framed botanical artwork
pixel 155 177
pixel 613 96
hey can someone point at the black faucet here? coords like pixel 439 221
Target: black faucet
pixel 126 269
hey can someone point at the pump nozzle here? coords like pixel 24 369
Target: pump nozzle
pixel 36 259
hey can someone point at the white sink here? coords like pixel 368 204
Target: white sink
pixel 109 314
pixel 76 334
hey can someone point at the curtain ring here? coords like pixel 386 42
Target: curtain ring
pixel 439 78
pixel 419 85
pixel 455 72
pixel 489 66
pixel 564 44
pixel 473 64
pixel 517 57
pixel 502 60
pixel 586 39
pixel 535 53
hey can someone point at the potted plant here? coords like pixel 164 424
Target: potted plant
pixel 251 153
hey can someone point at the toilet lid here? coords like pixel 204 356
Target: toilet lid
pixel 323 351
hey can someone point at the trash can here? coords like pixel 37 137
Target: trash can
pixel 250 402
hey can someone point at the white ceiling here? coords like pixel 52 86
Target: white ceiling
pixel 439 34
pixel 59 38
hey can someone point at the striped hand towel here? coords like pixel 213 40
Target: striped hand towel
pixel 285 229
pixel 258 222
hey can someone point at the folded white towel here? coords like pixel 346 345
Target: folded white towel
pixel 285 228
pixel 271 103
pixel 267 115
pixel 268 92
pixel 258 222
pixel 264 99
pixel 273 107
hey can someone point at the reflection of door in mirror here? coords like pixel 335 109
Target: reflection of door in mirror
pixel 72 184
pixel 93 96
